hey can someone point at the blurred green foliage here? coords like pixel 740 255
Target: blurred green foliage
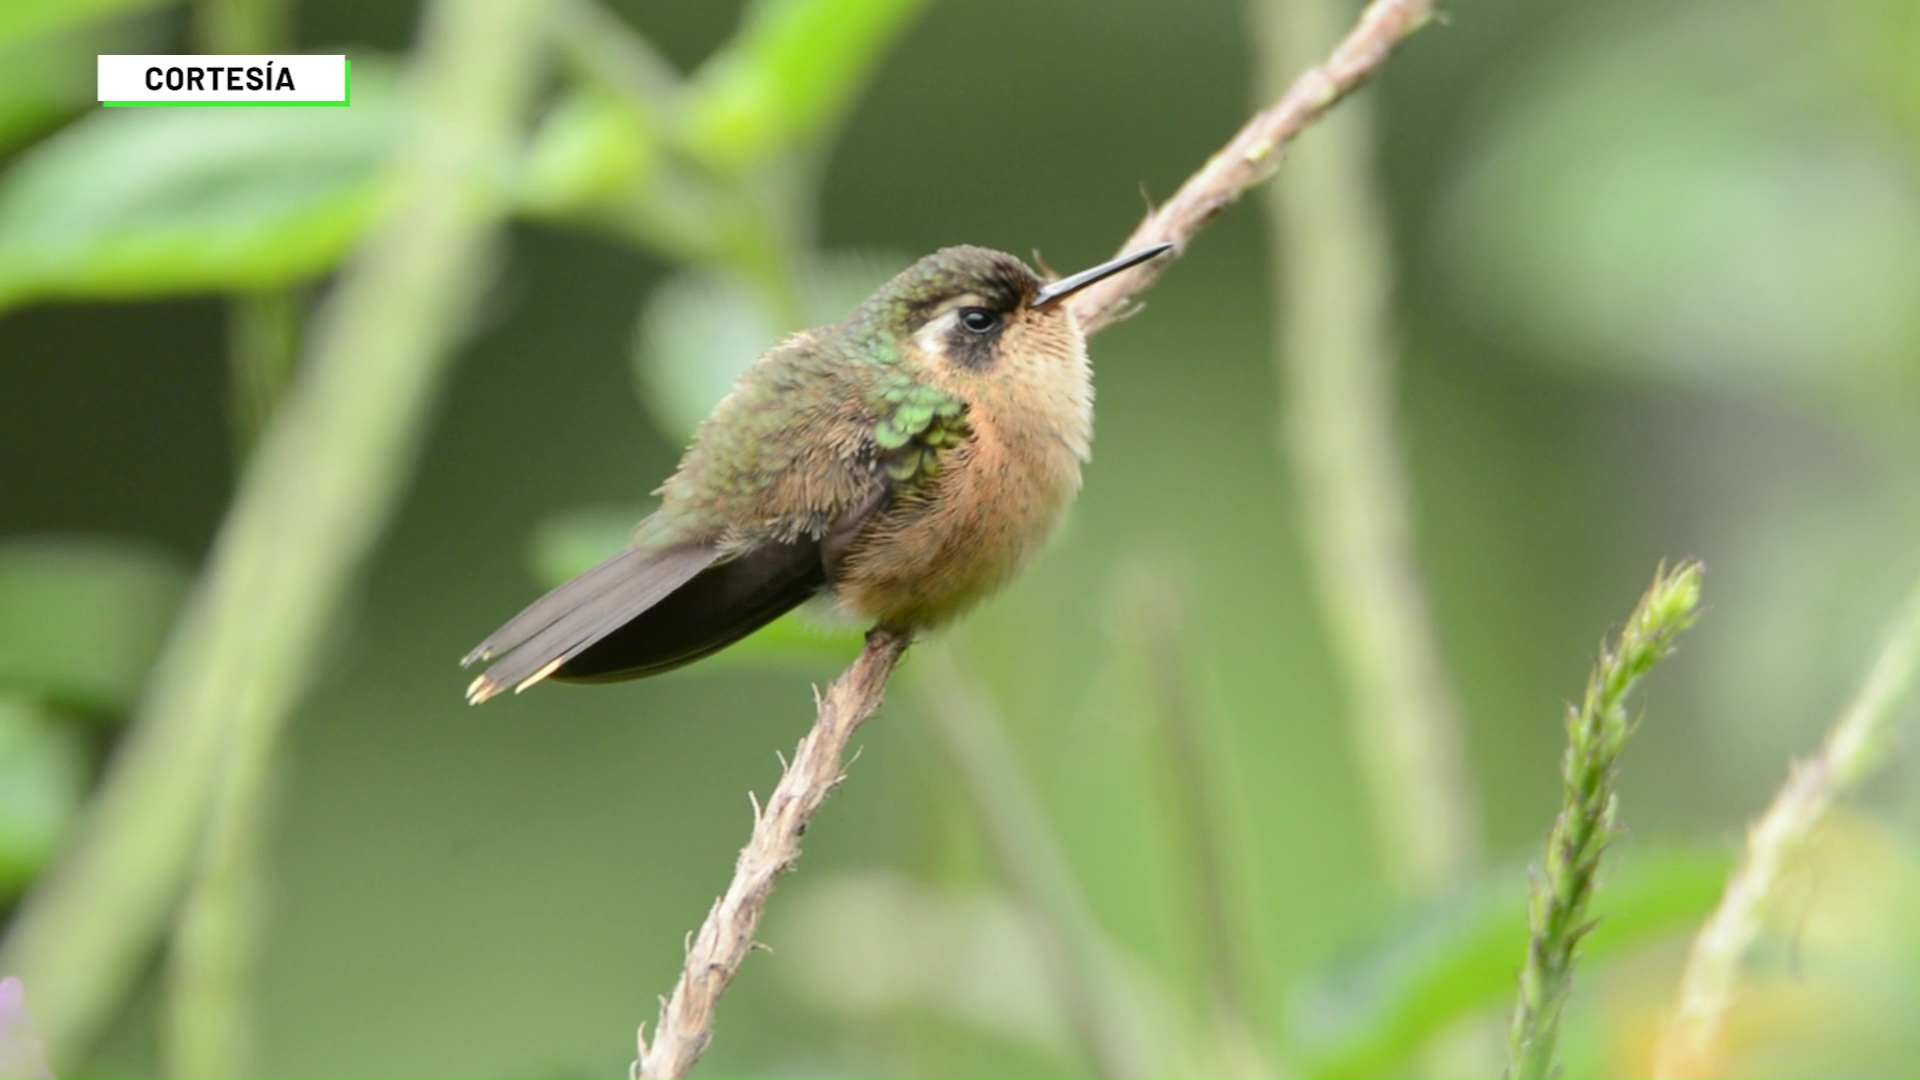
pixel 1669 209
pixel 42 780
pixel 81 620
pixel 44 78
pixel 35 21
pixel 786 77
pixel 225 203
pixel 1365 1011
pixel 1657 269
pixel 587 151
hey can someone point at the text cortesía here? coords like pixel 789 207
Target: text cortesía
pixel 230 77
pixel 224 80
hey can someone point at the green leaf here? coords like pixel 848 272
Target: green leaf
pixel 701 329
pixel 787 77
pixel 82 620
pixel 590 149
pixel 47 79
pixel 1365 1014
pixel 43 775
pixel 566 545
pixel 22 20
pixel 155 202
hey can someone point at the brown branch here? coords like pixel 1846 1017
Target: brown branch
pixel 686 1018
pixel 726 936
pixel 1254 153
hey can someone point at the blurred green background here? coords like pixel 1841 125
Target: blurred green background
pixel 1657 294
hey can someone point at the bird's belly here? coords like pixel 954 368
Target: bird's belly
pixel 932 556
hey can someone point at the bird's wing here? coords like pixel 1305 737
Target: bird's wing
pixel 715 608
pixel 778 483
pixel 767 570
pixel 573 617
pixel 808 443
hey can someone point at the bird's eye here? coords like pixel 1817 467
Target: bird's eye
pixel 979 320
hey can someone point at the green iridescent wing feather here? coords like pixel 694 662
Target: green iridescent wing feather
pixel 920 424
pixel 795 447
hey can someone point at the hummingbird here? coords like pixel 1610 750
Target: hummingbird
pixel 900 464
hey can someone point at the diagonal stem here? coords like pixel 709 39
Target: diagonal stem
pixel 725 938
pixel 1333 283
pixel 1254 153
pixel 311 505
pixel 1855 746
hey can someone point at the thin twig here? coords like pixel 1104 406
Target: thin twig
pixel 312 503
pixel 1249 158
pixel 1077 959
pixel 1563 892
pixel 1854 747
pixel 608 51
pixel 263 334
pixel 1254 153
pixel 725 938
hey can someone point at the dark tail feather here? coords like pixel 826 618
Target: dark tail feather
pixel 568 620
pixel 719 606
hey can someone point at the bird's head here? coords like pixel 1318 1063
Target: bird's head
pixel 971 317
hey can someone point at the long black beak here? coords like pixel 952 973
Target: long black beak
pixel 1073 283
